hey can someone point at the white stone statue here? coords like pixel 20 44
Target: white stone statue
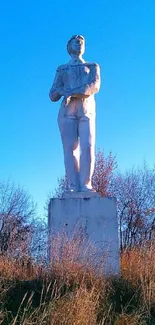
pixel 77 82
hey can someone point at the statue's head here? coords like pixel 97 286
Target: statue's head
pixel 76 45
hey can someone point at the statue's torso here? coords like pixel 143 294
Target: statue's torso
pixel 74 76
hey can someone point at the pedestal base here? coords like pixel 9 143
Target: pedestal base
pixel 97 217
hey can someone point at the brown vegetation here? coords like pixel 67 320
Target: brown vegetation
pixel 72 291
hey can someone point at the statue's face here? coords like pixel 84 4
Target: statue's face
pixel 77 46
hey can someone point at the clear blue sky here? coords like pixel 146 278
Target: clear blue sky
pixel 120 36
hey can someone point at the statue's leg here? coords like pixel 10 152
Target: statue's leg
pixel 87 146
pixel 69 134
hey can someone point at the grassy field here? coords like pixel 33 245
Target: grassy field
pixel 72 290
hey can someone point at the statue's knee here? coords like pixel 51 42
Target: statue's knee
pixel 86 146
pixel 69 148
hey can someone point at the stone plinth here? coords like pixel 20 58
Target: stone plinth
pixel 97 216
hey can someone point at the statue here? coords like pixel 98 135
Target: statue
pixel 77 82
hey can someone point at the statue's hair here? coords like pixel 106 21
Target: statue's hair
pixel 70 41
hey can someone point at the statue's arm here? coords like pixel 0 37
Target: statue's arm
pixel 91 87
pixel 56 91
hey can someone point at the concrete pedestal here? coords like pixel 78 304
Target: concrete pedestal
pixel 98 218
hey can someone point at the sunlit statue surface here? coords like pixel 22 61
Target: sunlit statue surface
pixel 77 82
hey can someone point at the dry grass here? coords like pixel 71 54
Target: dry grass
pixel 126 319
pixel 79 308
pixel 138 266
pixel 74 259
pixel 22 268
pixel 72 290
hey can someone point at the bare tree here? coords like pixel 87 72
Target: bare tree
pixel 105 168
pixel 16 211
pixel 135 193
pixel 39 239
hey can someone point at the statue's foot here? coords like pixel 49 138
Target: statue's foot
pixel 87 189
pixel 74 189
